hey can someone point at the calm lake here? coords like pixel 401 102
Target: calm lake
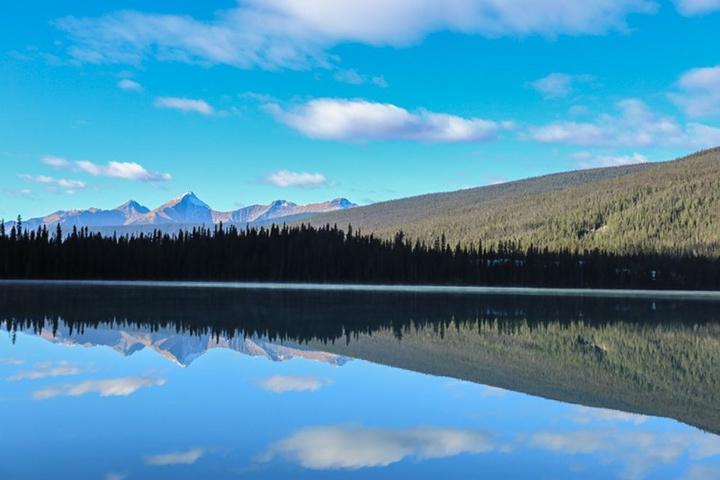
pixel 138 381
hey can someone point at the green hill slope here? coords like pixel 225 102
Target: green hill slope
pixel 665 207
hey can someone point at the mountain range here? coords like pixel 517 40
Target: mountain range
pixel 663 207
pixel 186 209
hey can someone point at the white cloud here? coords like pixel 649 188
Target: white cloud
pixel 635 125
pixel 700 96
pixel 589 160
pixel 11 361
pixel 175 458
pixel 115 476
pixel 337 447
pixel 360 120
pixel 60 371
pixel 703 136
pixel 701 472
pixel 638 451
pixel 258 97
pixel 588 415
pixel 125 170
pixel 113 387
pixel 488 391
pixel 127 84
pixel 185 104
pixel 285 178
pixel 354 78
pixel 283 384
pixel 558 84
pixel 56 182
pixel 55 161
pixel 691 8
pixel 17 192
pixel 296 34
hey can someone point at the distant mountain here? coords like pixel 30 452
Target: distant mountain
pixel 185 210
pixel 183 349
pixel 661 207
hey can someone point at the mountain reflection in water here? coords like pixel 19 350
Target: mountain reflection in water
pixel 618 359
pixel 650 356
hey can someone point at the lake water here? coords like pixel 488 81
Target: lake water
pixel 151 382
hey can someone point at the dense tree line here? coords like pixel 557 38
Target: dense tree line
pixel 330 255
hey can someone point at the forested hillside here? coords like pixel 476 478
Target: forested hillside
pixel 664 207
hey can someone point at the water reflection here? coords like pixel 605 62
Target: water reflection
pixel 620 362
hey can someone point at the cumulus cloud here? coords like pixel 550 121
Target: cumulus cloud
pixel 127 84
pixel 296 34
pixel 125 170
pixel 700 92
pixel 285 178
pixel 283 384
pixel 355 78
pixel 361 120
pixel 339 447
pixel 175 458
pixel 691 8
pixel 113 387
pixel 558 84
pixel 589 160
pixel 635 125
pixel 185 104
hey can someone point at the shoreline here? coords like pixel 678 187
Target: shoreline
pixel 334 287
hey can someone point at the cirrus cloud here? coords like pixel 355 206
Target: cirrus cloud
pixel 361 120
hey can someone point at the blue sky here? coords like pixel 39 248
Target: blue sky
pixel 250 101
